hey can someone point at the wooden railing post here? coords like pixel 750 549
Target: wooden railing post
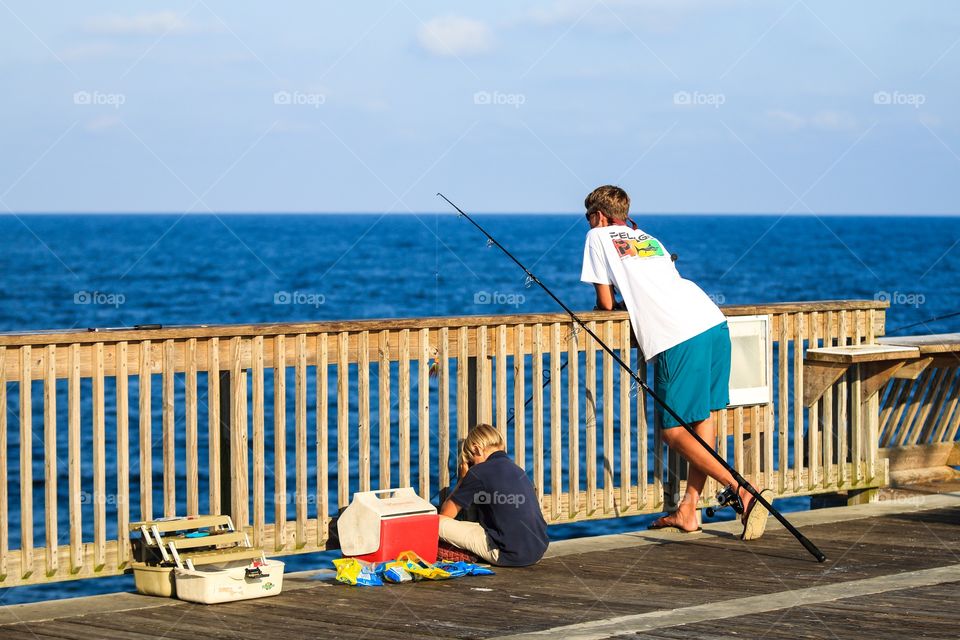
pixel 676 471
pixel 226 492
pixel 473 406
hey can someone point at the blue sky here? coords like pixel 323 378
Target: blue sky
pixel 692 105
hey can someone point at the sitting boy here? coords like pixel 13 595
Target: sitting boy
pixel 511 531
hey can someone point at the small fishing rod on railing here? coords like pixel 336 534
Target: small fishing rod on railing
pixel 739 479
pixel 546 383
pixel 924 322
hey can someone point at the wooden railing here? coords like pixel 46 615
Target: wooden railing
pixel 920 418
pixel 123 424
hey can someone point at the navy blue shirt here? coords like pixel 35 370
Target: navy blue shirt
pixel 508 508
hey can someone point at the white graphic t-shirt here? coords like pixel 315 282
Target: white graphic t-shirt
pixel 664 308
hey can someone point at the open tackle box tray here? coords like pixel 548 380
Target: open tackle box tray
pixel 201 559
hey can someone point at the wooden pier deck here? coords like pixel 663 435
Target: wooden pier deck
pixel 893 568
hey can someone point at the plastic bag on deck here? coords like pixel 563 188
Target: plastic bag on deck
pixel 355 572
pixel 461 568
pixel 408 567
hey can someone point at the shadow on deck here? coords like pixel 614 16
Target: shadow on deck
pixel 893 568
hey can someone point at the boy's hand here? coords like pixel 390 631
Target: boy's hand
pixel 462 470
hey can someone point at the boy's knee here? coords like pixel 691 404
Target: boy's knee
pixel 672 434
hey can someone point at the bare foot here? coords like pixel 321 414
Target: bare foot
pixel 747 499
pixel 677 520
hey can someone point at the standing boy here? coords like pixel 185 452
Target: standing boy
pixel 679 327
pixel 511 531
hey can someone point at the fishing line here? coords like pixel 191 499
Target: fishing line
pixel 546 383
pixel 933 319
pixel 739 479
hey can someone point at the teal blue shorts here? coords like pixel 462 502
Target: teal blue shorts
pixel 693 377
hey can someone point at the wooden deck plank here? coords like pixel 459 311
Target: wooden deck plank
pixel 932 613
pixel 317 622
pixel 81 628
pixel 201 621
pixel 595 585
pixel 25 632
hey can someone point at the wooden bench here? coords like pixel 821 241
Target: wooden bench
pixel 938 350
pixel 871 366
pixel 922 460
pixel 876 364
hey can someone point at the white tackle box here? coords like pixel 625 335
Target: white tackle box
pixel 225 575
pixel 201 559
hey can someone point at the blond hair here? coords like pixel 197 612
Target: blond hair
pixel 609 200
pixel 478 440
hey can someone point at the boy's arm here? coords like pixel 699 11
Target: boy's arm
pixel 605 298
pixel 449 508
pixel 468 484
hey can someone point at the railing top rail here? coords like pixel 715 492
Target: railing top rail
pixel 70 336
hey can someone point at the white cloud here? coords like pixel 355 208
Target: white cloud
pixel 236 57
pixel 144 24
pixel 556 13
pixel 374 105
pixel 455 36
pixel 293 126
pixel 91 50
pixel 102 124
pixel 833 121
pixel 616 15
pixel 820 121
pixel 786 120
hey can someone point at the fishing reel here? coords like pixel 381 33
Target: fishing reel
pixel 727 497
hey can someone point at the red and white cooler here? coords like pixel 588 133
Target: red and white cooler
pixel 379 525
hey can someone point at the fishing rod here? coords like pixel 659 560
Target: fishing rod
pixel 739 479
pixel 546 384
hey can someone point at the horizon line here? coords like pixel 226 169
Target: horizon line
pixel 924 214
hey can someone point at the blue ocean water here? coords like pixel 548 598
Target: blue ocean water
pixel 62 271
pixel 204 269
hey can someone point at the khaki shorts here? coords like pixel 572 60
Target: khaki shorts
pixel 469 536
